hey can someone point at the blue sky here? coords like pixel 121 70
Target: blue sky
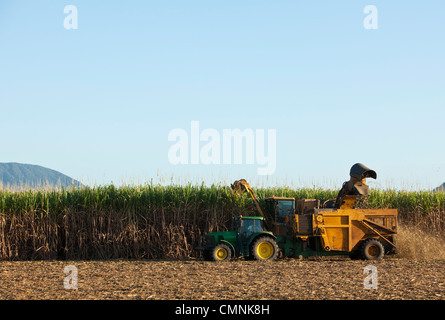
pixel 98 103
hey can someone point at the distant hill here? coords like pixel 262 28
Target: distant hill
pixel 440 188
pixel 17 175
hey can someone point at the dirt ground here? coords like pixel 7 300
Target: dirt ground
pixel 314 278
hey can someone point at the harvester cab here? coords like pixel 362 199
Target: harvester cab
pixel 280 208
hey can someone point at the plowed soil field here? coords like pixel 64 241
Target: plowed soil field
pixel 313 278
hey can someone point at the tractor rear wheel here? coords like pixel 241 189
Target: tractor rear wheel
pixel 221 252
pixel 264 248
pixel 372 249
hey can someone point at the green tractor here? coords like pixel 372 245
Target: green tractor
pixel 248 238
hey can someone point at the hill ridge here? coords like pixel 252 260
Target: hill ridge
pixel 18 175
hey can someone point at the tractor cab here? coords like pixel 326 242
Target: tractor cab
pixel 246 226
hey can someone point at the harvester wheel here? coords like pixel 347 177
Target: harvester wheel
pixel 264 248
pixel 221 252
pixel 372 249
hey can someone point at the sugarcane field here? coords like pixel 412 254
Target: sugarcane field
pixel 116 246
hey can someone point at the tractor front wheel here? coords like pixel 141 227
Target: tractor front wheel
pixel 264 248
pixel 221 252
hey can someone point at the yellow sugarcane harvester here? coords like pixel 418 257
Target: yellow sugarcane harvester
pixel 306 227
